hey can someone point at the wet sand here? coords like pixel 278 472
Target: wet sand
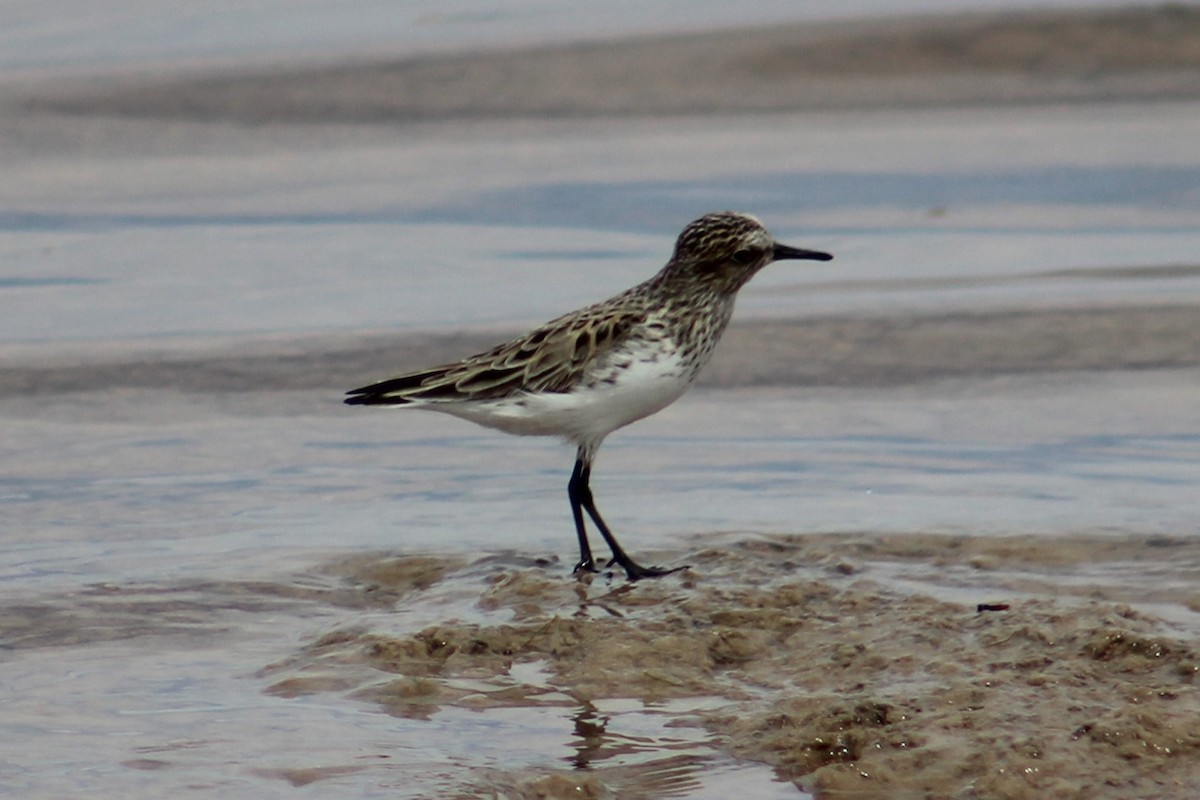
pixel 800 652
pixel 1035 57
pixel 854 663
pixel 849 351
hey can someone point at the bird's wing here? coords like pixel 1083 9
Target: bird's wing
pixel 550 358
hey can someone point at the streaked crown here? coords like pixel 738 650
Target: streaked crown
pixel 717 237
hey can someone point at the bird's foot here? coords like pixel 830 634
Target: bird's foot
pixel 585 565
pixel 636 571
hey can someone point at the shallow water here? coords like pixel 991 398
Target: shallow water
pixel 174 557
pixel 109 489
pixel 383 234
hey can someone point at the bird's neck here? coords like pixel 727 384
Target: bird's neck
pixel 670 287
pixel 685 307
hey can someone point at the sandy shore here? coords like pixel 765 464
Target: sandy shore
pixel 829 351
pixel 1144 53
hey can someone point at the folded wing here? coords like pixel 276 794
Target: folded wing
pixel 552 358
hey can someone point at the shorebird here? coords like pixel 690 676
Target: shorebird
pixel 587 373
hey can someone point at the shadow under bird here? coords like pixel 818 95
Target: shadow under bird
pixel 585 374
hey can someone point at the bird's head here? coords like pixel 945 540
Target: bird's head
pixel 726 249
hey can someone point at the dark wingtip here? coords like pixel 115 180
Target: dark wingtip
pixel 376 400
pixel 373 395
pixel 358 397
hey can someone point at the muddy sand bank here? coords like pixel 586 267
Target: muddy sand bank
pixel 804 653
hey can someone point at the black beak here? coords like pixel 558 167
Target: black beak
pixel 782 252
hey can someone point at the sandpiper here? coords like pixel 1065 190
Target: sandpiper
pixel 587 373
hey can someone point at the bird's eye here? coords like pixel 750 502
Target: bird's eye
pixel 743 257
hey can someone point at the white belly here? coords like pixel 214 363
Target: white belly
pixel 589 412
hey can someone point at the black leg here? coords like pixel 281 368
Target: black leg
pixel 580 493
pixel 576 487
